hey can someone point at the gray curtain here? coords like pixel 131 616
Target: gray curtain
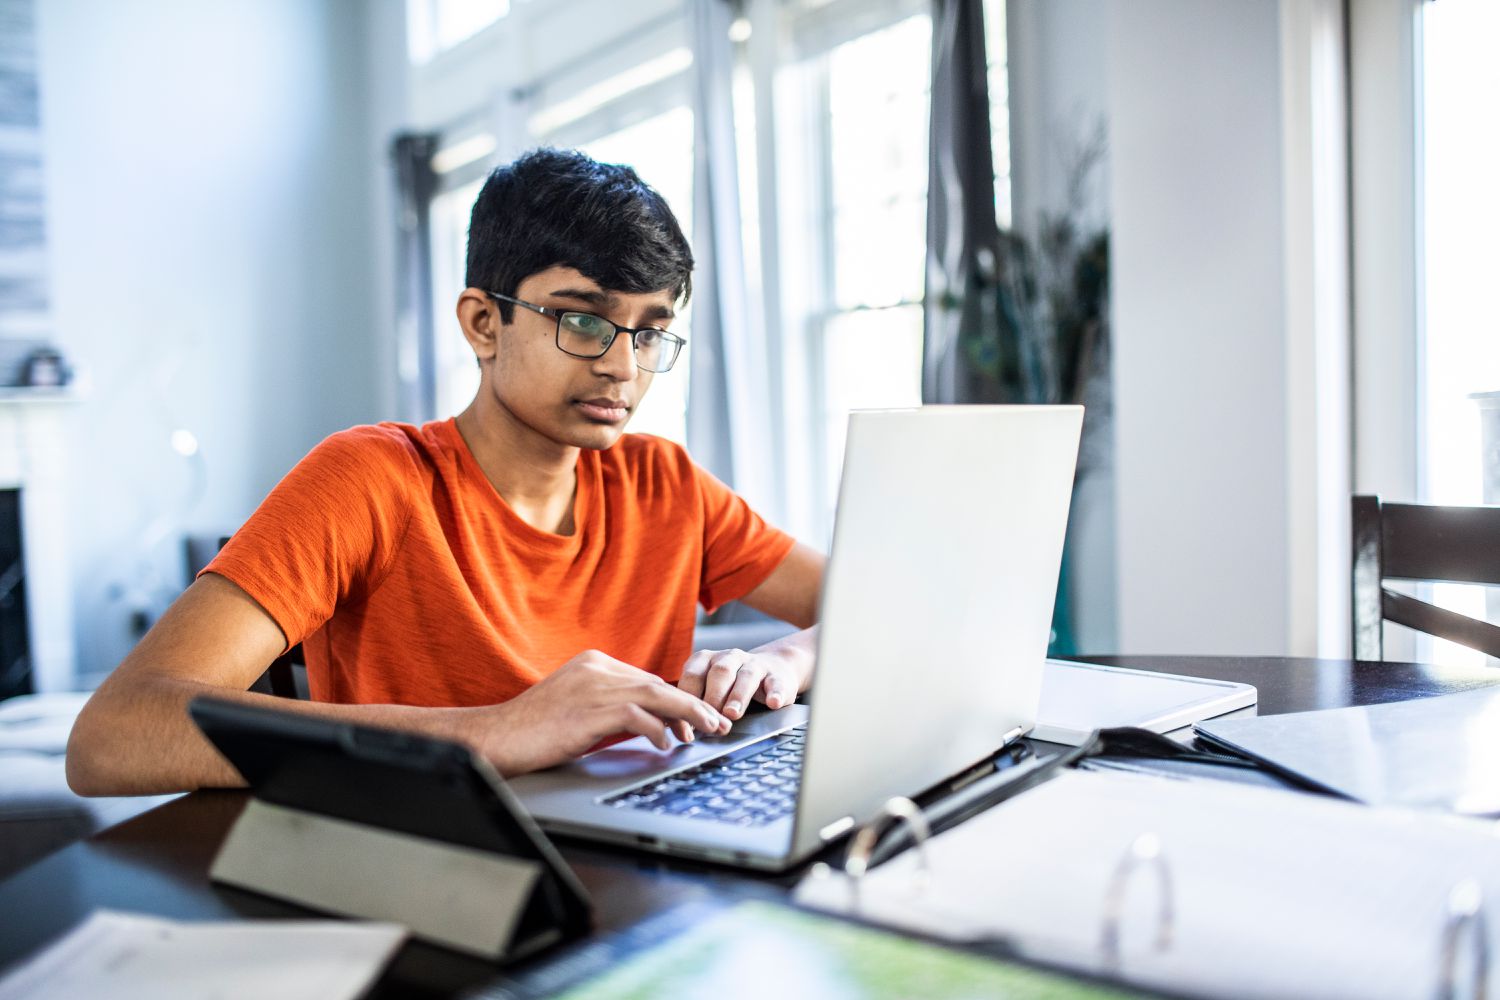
pixel 416 185
pixel 970 349
pixel 728 427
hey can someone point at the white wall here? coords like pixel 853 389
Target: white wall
pixel 216 231
pixel 1199 300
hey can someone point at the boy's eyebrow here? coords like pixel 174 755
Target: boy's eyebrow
pixel 592 296
pixel 595 297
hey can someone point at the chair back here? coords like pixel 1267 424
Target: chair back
pixel 1427 543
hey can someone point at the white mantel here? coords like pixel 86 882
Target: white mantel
pixel 33 459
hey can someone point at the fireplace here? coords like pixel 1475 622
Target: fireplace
pixel 15 644
pixel 36 594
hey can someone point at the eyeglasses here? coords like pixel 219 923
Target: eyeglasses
pixel 584 335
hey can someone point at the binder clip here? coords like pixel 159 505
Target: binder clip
pixel 857 859
pixel 1465 913
pixel 1144 852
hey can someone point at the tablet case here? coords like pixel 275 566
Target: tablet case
pixel 375 823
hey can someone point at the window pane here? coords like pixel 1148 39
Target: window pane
pixel 1462 216
pixel 456 371
pixel 872 359
pixel 878 105
pixel 878 253
pixel 433 26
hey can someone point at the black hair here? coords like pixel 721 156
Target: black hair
pixel 555 207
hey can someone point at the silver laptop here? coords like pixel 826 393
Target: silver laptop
pixel 936 612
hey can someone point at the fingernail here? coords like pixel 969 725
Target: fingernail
pixel 690 737
pixel 731 706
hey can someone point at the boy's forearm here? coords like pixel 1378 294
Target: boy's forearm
pixel 137 738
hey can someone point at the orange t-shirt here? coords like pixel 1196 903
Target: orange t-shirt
pixel 387 553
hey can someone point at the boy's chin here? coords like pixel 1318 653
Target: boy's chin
pixel 597 437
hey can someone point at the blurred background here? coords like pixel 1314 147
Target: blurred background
pixel 1255 237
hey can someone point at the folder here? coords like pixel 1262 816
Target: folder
pixel 1201 887
pixel 1429 753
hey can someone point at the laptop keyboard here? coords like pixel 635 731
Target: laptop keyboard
pixel 752 786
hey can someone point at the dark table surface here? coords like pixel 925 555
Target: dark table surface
pixel 158 862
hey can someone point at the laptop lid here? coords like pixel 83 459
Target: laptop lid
pixel 937 606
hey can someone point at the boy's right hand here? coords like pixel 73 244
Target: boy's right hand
pixel 588 699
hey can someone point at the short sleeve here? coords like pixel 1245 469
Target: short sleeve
pixel 739 548
pixel 328 532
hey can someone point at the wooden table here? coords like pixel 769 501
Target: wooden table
pixel 158 862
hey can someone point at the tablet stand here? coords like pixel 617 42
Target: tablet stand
pixel 467 899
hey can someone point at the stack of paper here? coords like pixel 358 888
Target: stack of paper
pixel 1270 894
pixel 126 956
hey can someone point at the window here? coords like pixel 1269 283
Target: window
pixel 434 26
pixel 871 351
pixel 456 373
pixel 860 200
pixel 1461 354
pixel 852 108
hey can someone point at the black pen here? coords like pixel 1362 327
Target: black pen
pixel 975 797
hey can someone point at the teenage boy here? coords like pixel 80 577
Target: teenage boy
pixel 522 578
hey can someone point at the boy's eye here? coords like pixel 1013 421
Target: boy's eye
pixel 584 323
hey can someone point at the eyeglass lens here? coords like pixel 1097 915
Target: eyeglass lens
pixel 588 336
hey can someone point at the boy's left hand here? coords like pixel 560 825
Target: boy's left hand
pixel 727 679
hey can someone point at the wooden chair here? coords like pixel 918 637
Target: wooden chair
pixel 285 677
pixel 1423 542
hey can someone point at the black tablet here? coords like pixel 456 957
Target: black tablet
pixel 396 781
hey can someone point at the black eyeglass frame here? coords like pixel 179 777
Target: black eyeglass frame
pixel 668 337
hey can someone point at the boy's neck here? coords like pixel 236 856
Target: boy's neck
pixel 535 475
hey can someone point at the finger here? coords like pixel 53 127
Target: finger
pixel 746 681
pixel 635 719
pixel 682 730
pixel 694 672
pixel 722 671
pixel 669 703
pixel 777 691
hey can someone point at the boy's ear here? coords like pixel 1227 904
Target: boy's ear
pixel 479 318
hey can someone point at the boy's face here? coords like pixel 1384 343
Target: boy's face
pixel 580 402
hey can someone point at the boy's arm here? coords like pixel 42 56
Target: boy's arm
pixel 793 589
pixel 728 679
pixel 135 736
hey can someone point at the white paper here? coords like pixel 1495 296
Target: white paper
pixel 1275 894
pixel 126 956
